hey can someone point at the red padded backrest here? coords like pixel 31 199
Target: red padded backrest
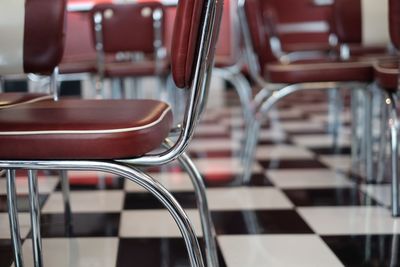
pixel 186 40
pixel 44 34
pixel 347 19
pixel 33 40
pixel 394 22
pixel 259 19
pixel 128 27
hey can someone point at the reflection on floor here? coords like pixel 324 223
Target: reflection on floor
pixel 301 208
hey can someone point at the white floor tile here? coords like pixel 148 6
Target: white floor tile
pixel 46 184
pixel 277 251
pixel 243 198
pixel 24 223
pixel 303 126
pixel 87 201
pixel 154 223
pixel 223 165
pixel 350 220
pixel 174 182
pixel 381 193
pixel 307 178
pixel 211 129
pixel 217 144
pixel 320 140
pixel 337 162
pixel 75 252
pixel 282 151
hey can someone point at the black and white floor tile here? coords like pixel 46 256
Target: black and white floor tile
pixel 301 207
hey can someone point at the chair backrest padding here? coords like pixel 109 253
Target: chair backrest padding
pixel 128 27
pixel 394 21
pixel 361 21
pixel 32 35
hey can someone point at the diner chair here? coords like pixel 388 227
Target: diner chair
pixel 129 42
pixel 115 136
pixel 292 77
pixel 387 77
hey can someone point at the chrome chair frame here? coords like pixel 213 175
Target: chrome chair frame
pixel 128 168
pixel 158 44
pixel 269 94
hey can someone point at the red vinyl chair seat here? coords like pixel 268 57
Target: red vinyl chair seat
pixel 83 129
pixel 8 100
pixel 86 66
pixel 387 74
pixel 320 72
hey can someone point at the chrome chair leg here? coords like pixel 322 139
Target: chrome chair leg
pixel 369 168
pixel 355 140
pixel 335 116
pixel 35 218
pixel 136 176
pixel 13 218
pixel 380 172
pixel 65 189
pixel 250 150
pixel 394 126
pixel 205 215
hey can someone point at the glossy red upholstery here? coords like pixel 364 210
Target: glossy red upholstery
pixel 184 46
pixel 139 68
pixel 79 129
pixel 8 100
pixel 258 32
pixel 44 35
pixel 347 20
pixel 387 74
pixel 320 72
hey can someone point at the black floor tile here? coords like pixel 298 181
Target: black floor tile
pixel 291 164
pixel 6 254
pixel 83 225
pixel 329 197
pixel 259 222
pixel 148 201
pixel 331 150
pixel 366 251
pixel 22 202
pixel 155 252
pixel 109 183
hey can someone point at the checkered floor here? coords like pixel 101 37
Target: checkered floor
pixel 301 208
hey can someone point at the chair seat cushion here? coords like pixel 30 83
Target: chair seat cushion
pixel 320 72
pixel 8 100
pixel 83 129
pixel 387 74
pixel 140 68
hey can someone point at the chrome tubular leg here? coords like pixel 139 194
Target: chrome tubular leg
pixel 337 109
pixel 35 218
pixel 205 216
pixel 368 137
pixel 382 140
pixel 136 176
pixel 2 85
pixel 355 120
pixel 251 147
pixel 13 218
pixel 66 197
pixel 394 154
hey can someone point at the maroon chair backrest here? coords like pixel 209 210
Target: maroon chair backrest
pixel 32 35
pixel 128 27
pixel 394 22
pixel 186 40
pixel 259 20
pixel 361 21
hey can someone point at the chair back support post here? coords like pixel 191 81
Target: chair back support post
pixel 100 57
pixel 159 49
pixel 203 64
